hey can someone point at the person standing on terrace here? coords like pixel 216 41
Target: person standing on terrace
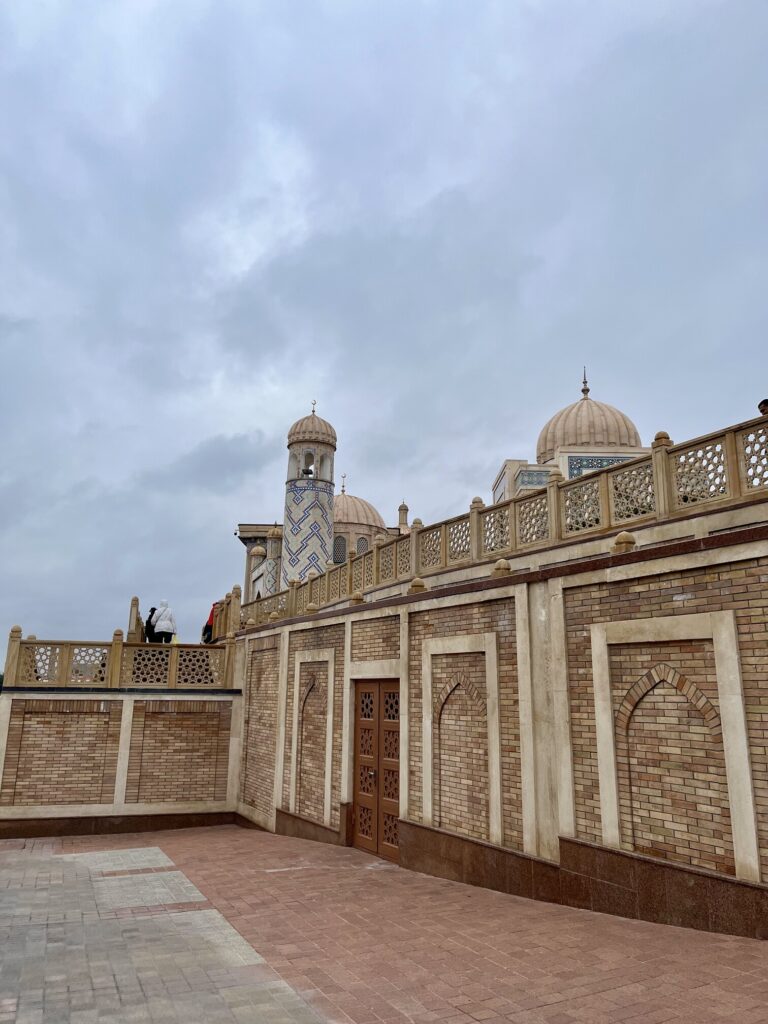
pixel 164 624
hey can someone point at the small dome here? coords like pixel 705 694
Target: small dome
pixel 258 551
pixel 586 424
pixel 349 510
pixel 312 428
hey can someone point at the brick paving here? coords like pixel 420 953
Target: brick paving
pixel 339 936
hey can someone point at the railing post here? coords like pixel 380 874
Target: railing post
pixel 173 666
pixel 290 604
pixel 65 665
pixel 732 467
pixel 662 477
pixel 235 607
pixel 553 505
pixel 378 541
pixel 115 660
pixel 476 530
pixel 350 563
pixel 133 635
pixel 605 499
pixel 416 527
pixel 11 670
pixel 444 546
pixel 229 660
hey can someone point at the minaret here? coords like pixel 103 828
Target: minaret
pixel 308 522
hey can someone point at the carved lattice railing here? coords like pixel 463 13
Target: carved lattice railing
pixel 70 664
pixel 727 467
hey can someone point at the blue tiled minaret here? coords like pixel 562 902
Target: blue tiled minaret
pixel 308 521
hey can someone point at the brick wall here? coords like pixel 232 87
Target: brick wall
pixel 310 762
pixel 260 725
pixel 491 617
pixel 179 751
pixel 674 784
pixel 460 752
pixel 313 640
pixel 61 752
pixel 376 639
pixel 740 587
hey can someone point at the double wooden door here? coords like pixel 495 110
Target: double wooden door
pixel 377 767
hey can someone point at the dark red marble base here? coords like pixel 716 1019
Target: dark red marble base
pixel 594 878
pixel 287 824
pixel 30 828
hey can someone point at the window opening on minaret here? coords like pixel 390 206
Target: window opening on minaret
pixel 309 464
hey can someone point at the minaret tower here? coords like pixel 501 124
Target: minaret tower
pixel 308 523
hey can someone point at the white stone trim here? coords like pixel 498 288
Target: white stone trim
pixel 328 655
pixel 561 706
pixel 282 701
pixel 405 715
pixel 470 643
pixel 720 627
pixel 388 668
pixel 347 721
pixel 5 721
pixel 525 721
pixel 124 752
pixel 746 850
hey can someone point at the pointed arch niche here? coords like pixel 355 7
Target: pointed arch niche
pixel 673 699
pixel 673 788
pixel 460 730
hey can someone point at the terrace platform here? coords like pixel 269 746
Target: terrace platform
pixel 226 924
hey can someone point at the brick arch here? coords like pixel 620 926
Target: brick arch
pixel 663 673
pixel 467 686
pixel 310 686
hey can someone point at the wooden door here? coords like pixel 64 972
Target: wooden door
pixel 377 767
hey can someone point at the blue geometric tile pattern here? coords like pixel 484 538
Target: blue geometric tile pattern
pixel 308 528
pixel 578 464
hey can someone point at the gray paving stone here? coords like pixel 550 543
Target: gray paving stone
pixel 120 860
pixel 69 959
pixel 157 890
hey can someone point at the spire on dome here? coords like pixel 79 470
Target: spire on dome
pixel 584 385
pixel 343 483
pixel 314 403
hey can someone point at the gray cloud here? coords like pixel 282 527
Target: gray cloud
pixel 427 216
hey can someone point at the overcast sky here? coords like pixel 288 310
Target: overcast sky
pixel 425 215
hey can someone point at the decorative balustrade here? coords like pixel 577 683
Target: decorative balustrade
pixel 70 664
pixel 726 467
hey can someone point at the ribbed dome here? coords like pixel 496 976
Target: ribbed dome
pixel 348 509
pixel 586 424
pixel 312 428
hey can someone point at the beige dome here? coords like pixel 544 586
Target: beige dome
pixel 586 424
pixel 312 428
pixel 349 510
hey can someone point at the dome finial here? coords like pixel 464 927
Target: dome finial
pixel 584 385
pixel 314 403
pixel 343 483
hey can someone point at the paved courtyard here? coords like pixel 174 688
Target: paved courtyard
pixel 227 924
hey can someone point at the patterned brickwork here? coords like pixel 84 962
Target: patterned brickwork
pixel 179 751
pixel 307 529
pixel 61 752
pixel 310 762
pixel 376 639
pixel 740 587
pixel 490 617
pixel 460 752
pixel 674 789
pixel 313 640
pixel 260 725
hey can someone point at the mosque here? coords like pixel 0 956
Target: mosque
pixel 321 528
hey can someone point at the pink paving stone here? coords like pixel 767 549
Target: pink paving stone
pixel 374 943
